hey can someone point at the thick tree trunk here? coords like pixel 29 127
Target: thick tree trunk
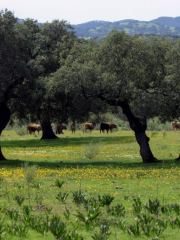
pixel 145 150
pixel 139 127
pixel 47 132
pixel 4 119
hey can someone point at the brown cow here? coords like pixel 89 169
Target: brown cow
pixel 175 125
pixel 59 128
pixel 73 127
pixel 32 128
pixel 87 126
pixel 107 126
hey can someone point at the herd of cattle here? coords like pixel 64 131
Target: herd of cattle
pixel 105 126
pixel 58 128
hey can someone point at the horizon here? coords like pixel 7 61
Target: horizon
pixel 114 21
pixel 126 20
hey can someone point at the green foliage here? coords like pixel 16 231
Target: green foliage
pixel 21 230
pixel 89 217
pixel 137 206
pixel 59 183
pixel 79 197
pixel 176 208
pixel 37 184
pixel 57 227
pixel 41 226
pixel 121 225
pixel 72 236
pixel 118 211
pixel 153 206
pixel 105 200
pixel 12 213
pixel 123 125
pixel 3 229
pixel 27 209
pixel 19 199
pixel 104 231
pixel 134 229
pixel 155 124
pixel 62 196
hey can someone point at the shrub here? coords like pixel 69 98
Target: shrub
pixel 154 124
pixel 91 150
pixel 30 172
pixel 21 131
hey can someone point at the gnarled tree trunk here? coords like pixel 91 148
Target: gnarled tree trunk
pixel 145 150
pixel 47 132
pixel 139 127
pixel 4 119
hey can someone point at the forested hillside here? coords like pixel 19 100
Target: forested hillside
pixel 100 29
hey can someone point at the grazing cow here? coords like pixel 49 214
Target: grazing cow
pixel 87 126
pixel 104 126
pixel 73 127
pixel 32 128
pixel 59 128
pixel 175 125
pixel 107 126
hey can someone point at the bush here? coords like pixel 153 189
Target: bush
pixel 123 125
pixel 21 131
pixel 91 150
pixel 155 124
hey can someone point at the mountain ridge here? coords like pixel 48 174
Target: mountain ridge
pixel 100 28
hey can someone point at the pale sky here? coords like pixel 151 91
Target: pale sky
pixel 80 11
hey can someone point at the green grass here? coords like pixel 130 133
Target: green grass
pixel 116 171
pixel 119 148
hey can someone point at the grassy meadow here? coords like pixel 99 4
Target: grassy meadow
pixel 89 186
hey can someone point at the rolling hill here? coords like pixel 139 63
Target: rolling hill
pixel 159 26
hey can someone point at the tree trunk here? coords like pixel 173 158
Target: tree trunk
pixel 145 150
pixel 4 119
pixel 139 127
pixel 47 132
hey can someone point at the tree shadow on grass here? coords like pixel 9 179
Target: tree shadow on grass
pixel 79 141
pixel 167 164
pixel 67 141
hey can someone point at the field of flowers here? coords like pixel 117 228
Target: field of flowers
pixel 50 185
